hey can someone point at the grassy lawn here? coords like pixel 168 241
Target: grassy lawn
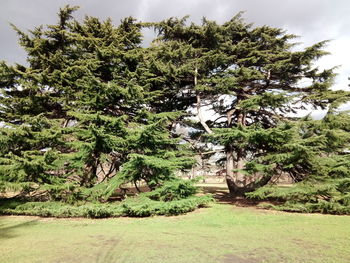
pixel 221 233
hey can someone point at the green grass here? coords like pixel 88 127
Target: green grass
pixel 221 233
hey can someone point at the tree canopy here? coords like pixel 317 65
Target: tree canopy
pixel 94 109
pixel 82 108
pixel 255 80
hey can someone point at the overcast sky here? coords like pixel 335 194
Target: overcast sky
pixel 312 20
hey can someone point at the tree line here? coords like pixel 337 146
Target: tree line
pixel 94 109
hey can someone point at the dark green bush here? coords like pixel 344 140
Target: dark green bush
pixel 140 206
pixel 173 190
pixel 329 197
pixel 143 206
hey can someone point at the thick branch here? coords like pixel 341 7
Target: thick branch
pixel 199 108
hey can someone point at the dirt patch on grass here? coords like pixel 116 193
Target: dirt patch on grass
pixel 308 245
pixel 222 195
pixel 232 258
pixel 104 240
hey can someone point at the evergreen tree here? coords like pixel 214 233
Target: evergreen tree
pixel 80 105
pixel 93 110
pixel 254 80
pixel 315 153
pixel 155 154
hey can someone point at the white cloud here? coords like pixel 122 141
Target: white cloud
pixel 339 56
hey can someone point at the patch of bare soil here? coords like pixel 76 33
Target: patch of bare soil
pixel 122 192
pixel 232 258
pixel 222 195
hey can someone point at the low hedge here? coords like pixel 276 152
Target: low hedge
pixel 140 206
pixel 327 197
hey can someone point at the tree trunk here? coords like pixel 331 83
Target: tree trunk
pixel 90 171
pixel 240 163
pixel 230 177
pixel 236 180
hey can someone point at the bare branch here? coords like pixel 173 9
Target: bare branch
pixel 199 107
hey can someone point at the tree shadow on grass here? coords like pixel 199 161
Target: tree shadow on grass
pixel 7 228
pixel 222 196
pixel 10 230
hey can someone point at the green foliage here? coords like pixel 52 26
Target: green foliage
pixel 143 206
pixel 251 77
pixel 173 190
pixel 133 207
pixel 155 155
pixel 81 112
pixel 314 153
pixel 93 110
pixel 331 196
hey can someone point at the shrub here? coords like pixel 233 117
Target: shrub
pixel 329 197
pixel 173 190
pixel 140 206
